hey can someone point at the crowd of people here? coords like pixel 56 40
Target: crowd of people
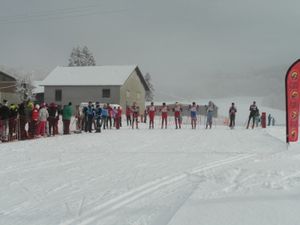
pixel 28 120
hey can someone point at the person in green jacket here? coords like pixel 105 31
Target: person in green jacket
pixel 67 114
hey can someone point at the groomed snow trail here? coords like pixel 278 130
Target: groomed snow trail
pixel 138 177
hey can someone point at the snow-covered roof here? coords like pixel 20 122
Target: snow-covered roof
pixel 37 87
pixel 89 75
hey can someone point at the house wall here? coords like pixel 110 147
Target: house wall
pixel 8 88
pixel 133 91
pixel 78 94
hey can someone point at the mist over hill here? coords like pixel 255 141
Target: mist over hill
pixel 268 83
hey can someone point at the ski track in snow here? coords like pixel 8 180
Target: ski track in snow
pixel 144 190
pixel 155 169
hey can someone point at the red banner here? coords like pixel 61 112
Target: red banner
pixel 292 93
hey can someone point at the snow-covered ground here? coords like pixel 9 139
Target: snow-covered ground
pixel 152 177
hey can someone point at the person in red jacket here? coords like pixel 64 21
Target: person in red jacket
pixel 164 115
pixel 177 115
pixel 151 112
pixel 128 116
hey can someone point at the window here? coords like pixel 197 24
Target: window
pixel 106 93
pixel 58 95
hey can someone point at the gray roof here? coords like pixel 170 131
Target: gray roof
pixel 90 75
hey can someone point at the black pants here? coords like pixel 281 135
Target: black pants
pixel 253 121
pixel 128 120
pixel 232 121
pixel 104 122
pixel 109 120
pixel 51 125
pixel 66 124
pixel 89 123
pixel 98 125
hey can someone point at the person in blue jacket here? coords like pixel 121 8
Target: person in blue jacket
pixel 98 114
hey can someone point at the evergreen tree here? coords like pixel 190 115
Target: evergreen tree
pixel 81 57
pixel 149 94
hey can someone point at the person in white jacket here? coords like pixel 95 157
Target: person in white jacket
pixel 43 116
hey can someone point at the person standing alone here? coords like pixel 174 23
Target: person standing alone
pixel 253 113
pixel 232 112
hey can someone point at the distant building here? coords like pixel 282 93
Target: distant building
pixel 121 85
pixel 38 92
pixel 8 88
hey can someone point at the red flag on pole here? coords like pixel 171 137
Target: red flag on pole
pixel 292 93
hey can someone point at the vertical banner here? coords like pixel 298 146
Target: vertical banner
pixel 292 92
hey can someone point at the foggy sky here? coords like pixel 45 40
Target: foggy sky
pixel 191 48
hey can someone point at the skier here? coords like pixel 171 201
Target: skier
pixel 253 113
pixel 110 115
pixel 78 117
pixel 22 117
pixel 145 115
pixel 98 113
pixel 118 117
pixel 164 115
pixel 12 124
pixel 269 119
pixel 193 109
pixel 114 115
pixel 28 112
pixel 90 116
pixel 210 110
pixel 104 117
pixel 67 114
pixel 135 115
pixel 120 111
pixel 128 116
pixel 257 119
pixel 35 121
pixel 4 117
pixel 53 113
pixel 232 112
pixel 177 115
pixel 273 121
pixel 43 116
pixel 151 112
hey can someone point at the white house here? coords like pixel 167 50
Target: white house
pixel 121 85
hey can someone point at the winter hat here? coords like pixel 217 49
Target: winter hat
pixel 37 106
pixel 30 105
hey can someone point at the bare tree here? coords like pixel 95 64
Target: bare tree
pixel 24 88
pixel 149 94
